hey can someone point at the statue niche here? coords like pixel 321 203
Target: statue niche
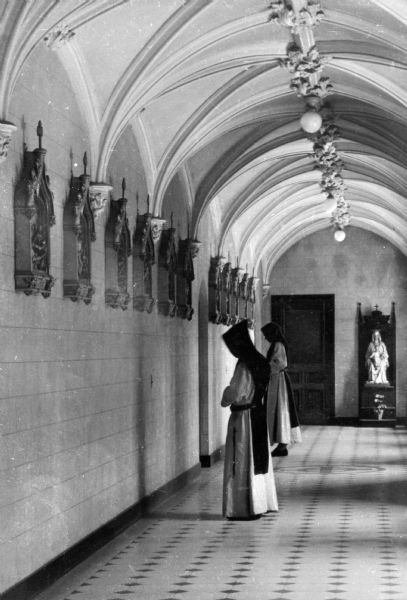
pixel 79 232
pixel 236 278
pixel 34 216
pixel 226 294
pixel 146 236
pixel 185 277
pixel 117 252
pixel 214 289
pixel 251 293
pixel 377 360
pixel 377 372
pixel 244 296
pixel 167 273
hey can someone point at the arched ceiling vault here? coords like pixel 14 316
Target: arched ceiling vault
pixel 200 83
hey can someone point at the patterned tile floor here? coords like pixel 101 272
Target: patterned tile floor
pixel 340 534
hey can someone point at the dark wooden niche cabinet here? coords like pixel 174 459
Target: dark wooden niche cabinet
pixel 79 233
pixel 33 218
pixel 117 251
pixel 377 399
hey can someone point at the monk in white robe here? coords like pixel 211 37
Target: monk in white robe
pixel 282 419
pixel 248 484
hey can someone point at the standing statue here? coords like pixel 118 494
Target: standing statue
pixel 377 359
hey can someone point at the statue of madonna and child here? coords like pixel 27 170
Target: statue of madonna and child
pixel 377 360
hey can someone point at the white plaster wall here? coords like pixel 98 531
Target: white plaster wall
pixel 364 268
pixel 98 407
pixel 218 362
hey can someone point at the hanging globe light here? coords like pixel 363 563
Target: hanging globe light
pixel 339 235
pixel 311 121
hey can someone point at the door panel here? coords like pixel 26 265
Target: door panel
pixel 308 325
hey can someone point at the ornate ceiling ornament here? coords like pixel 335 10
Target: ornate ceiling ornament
pixel 306 69
pixel 331 166
pixel 340 216
pixel 306 66
pixel 312 14
pixel 58 36
pixel 283 13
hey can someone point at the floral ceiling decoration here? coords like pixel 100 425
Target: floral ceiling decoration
pixel 309 15
pixel 332 184
pixel 59 36
pixel 307 81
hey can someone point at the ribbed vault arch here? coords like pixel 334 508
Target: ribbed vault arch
pixel 203 88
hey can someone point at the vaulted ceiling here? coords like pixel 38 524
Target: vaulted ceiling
pixel 204 88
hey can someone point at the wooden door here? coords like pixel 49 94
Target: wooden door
pixel 309 327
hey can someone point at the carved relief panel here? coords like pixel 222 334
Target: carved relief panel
pixel 34 216
pixel 79 232
pixel 117 251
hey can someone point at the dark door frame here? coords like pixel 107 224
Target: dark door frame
pixel 326 303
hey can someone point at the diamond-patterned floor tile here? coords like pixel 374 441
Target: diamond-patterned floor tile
pixel 334 538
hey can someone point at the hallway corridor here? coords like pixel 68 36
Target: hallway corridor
pixel 340 534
